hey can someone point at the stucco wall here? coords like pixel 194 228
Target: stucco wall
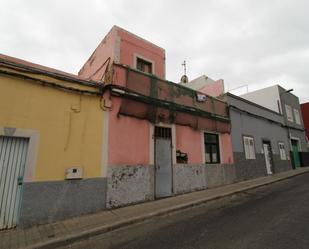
pixel 132 46
pixel 248 169
pixel 254 108
pixel 46 202
pixel 293 101
pixel 66 124
pixel 259 129
pixel 188 178
pixel 219 174
pixel 129 138
pixel 305 116
pixel 301 135
pixel 108 48
pixel 266 97
pixel 214 89
pixel 226 148
pixel 129 184
pixel 190 141
pixel 281 165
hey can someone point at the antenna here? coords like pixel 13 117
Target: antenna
pixel 184 79
pixel 184 67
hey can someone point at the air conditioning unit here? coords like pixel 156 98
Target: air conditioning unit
pixel 74 173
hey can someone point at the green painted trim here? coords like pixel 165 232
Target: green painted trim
pixel 167 104
pixel 179 86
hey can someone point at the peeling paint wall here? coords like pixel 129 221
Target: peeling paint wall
pixel 94 67
pixel 129 184
pixel 188 178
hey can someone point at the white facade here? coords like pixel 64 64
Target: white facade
pixel 268 97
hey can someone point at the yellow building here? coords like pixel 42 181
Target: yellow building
pixel 48 119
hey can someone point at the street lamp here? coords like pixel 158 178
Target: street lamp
pixel 287 91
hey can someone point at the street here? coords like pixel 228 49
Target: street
pixel 274 216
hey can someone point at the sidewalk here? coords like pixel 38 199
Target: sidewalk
pixel 67 231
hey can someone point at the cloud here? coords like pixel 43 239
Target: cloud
pixel 258 43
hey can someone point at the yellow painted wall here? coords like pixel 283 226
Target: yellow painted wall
pixel 70 125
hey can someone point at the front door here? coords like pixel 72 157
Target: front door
pixel 13 152
pixel 267 155
pixel 163 162
pixel 295 153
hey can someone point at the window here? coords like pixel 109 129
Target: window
pixel 163 132
pixel 212 152
pixel 144 66
pixel 249 147
pixel 282 151
pixel 289 114
pixel 297 117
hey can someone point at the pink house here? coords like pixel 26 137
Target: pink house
pixel 161 138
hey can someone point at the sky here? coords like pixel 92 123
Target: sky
pixel 250 44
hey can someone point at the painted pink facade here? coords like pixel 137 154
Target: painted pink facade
pixel 130 139
pixel 214 89
pixel 132 46
pixel 186 140
pixel 122 47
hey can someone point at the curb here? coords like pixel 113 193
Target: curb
pixel 65 240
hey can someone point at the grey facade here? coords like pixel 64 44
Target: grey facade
pixel 263 125
pixel 46 202
pixel 276 98
pixel 295 130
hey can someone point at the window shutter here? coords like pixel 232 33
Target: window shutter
pixel 252 148
pixel 246 147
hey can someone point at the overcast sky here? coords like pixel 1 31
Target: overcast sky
pixel 258 43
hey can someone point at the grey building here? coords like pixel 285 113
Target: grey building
pixel 282 101
pixel 259 139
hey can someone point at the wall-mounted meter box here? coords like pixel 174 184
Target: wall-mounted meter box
pixel 201 97
pixel 74 173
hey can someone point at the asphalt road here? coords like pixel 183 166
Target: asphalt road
pixel 275 216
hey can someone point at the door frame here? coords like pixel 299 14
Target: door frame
pixel 298 150
pixel 34 137
pixel 298 143
pixel 31 157
pixel 267 141
pixel 173 153
pixel 152 142
pixel 203 145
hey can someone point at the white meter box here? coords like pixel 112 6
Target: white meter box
pixel 74 173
